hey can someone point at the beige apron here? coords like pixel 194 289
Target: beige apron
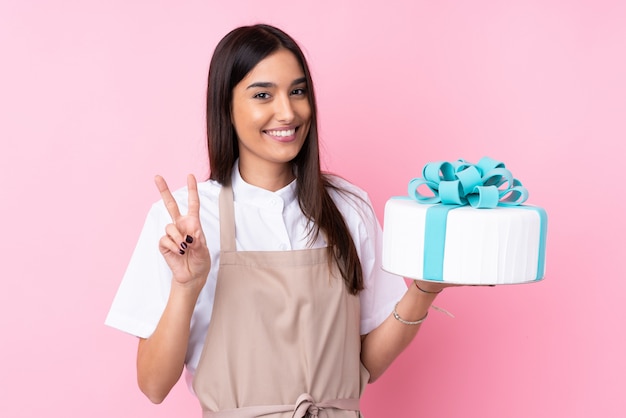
pixel 283 340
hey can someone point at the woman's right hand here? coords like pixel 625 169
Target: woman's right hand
pixel 184 246
pixel 161 357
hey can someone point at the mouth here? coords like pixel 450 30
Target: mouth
pixel 283 135
pixel 282 132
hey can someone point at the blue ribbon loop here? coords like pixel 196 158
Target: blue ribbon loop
pixel 484 185
pixel 487 184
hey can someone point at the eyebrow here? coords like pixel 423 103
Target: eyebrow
pixel 267 84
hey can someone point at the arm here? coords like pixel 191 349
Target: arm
pixel 161 357
pixel 384 344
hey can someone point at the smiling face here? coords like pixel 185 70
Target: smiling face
pixel 271 116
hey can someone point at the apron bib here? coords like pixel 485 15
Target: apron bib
pixel 283 340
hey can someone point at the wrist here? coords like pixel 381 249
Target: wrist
pixel 428 288
pixel 186 290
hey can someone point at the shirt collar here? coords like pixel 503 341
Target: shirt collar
pixel 256 196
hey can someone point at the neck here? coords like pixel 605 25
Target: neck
pixel 271 177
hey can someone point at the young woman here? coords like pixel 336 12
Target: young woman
pixel 267 284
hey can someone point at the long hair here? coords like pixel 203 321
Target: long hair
pixel 234 57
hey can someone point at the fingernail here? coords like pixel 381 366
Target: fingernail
pixel 181 252
pixel 189 239
pixel 183 245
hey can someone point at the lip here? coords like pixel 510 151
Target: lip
pixel 283 133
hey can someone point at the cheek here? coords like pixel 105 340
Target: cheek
pixel 249 118
pixel 305 112
pixel 242 119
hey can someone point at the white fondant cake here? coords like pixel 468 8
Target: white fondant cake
pixel 503 245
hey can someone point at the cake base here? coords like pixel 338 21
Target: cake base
pixel 464 245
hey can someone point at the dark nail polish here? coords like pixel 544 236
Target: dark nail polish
pixel 181 252
pixel 189 239
pixel 183 245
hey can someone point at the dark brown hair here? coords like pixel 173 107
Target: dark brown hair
pixel 234 57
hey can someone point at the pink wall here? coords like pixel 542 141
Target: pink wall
pixel 97 97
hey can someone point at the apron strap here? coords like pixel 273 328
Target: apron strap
pixel 305 407
pixel 227 219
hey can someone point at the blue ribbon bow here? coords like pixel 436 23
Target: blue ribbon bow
pixel 484 185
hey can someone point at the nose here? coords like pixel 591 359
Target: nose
pixel 284 109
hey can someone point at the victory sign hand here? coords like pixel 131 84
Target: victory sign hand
pixel 184 246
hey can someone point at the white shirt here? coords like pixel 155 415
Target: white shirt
pixel 265 221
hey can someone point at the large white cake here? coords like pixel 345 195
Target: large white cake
pixel 463 244
pixel 480 246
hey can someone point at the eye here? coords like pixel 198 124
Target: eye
pixel 262 96
pixel 301 91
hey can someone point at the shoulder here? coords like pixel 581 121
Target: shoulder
pixel 342 187
pixel 208 192
pixel 351 200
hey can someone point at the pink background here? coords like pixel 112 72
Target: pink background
pixel 97 97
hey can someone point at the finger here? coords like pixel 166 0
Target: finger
pixel 176 236
pixel 192 196
pixel 167 245
pixel 168 199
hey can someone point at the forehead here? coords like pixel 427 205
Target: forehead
pixel 279 67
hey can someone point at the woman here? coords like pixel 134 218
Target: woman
pixel 268 289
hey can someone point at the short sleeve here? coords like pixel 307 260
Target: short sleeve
pixel 381 289
pixel 145 287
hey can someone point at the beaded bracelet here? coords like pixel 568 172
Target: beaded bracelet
pixel 405 322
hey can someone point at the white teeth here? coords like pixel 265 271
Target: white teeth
pixel 288 132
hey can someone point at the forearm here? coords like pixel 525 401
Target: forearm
pixel 384 344
pixel 161 357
